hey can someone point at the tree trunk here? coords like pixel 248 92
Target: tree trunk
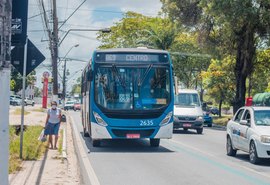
pixel 244 63
pixel 219 108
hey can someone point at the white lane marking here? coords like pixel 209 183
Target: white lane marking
pixel 86 162
pixel 206 153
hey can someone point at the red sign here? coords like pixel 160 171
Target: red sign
pixel 133 136
pixel 45 93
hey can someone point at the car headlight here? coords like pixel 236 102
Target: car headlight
pixel 199 118
pixel 265 139
pixel 166 119
pixel 99 120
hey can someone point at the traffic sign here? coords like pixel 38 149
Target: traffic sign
pixel 19 22
pixel 34 57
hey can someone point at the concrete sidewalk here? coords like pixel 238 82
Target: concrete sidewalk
pixel 53 167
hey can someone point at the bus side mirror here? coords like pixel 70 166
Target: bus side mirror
pixel 90 75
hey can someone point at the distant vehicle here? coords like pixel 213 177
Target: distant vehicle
pixel 214 111
pixel 28 101
pixel 249 131
pixel 77 106
pixel 69 105
pixel 207 119
pixel 128 94
pixel 14 101
pixel 188 113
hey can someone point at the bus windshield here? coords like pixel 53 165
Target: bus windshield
pixel 187 100
pixel 130 88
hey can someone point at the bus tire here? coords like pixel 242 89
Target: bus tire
pixel 154 142
pixel 95 143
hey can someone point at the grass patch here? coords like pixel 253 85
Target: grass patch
pixel 38 109
pixel 221 121
pixel 19 110
pixel 60 143
pixel 32 148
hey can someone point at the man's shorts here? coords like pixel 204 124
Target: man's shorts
pixel 52 129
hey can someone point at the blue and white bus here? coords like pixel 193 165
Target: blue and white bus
pixel 128 94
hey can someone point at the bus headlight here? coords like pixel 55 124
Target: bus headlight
pixel 199 118
pixel 99 120
pixel 166 119
pixel 265 139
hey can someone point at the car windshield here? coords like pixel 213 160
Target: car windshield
pixel 262 117
pixel 129 88
pixel 187 100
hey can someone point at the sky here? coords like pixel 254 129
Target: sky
pixel 93 14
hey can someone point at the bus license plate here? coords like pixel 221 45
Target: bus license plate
pixel 133 136
pixel 186 125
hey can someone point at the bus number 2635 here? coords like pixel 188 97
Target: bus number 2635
pixel 146 123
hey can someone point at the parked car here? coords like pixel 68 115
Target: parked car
pixel 28 101
pixel 207 119
pixel 214 111
pixel 249 131
pixel 77 106
pixel 188 112
pixel 14 101
pixel 69 105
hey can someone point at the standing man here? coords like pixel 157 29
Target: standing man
pixel 52 124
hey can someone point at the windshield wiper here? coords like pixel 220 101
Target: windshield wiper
pixel 122 83
pixel 145 75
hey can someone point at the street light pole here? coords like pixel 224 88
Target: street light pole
pixel 64 72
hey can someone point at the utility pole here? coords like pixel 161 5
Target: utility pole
pixel 55 52
pixel 64 80
pixel 5 52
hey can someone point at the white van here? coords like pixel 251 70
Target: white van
pixel 188 113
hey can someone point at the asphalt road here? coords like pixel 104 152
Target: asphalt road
pixel 187 158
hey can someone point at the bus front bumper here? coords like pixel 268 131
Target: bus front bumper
pixel 101 132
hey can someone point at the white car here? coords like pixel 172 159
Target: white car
pixel 249 131
pixel 28 101
pixel 188 113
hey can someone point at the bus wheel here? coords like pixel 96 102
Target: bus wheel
pixel 95 143
pixel 154 142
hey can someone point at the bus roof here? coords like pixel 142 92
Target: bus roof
pixel 131 50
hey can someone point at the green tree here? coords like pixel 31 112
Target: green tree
pixel 37 92
pixel 138 30
pixel 260 77
pixel 76 88
pixel 219 81
pixel 16 79
pixel 189 61
pixel 243 21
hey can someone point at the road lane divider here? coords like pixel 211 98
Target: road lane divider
pixel 85 164
pixel 211 155
pixel 179 147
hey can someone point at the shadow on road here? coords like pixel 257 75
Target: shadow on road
pixel 245 157
pixel 188 132
pixel 124 146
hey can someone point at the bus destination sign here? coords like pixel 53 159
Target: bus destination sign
pixel 130 57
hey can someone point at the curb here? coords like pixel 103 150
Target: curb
pixel 87 172
pixel 64 144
